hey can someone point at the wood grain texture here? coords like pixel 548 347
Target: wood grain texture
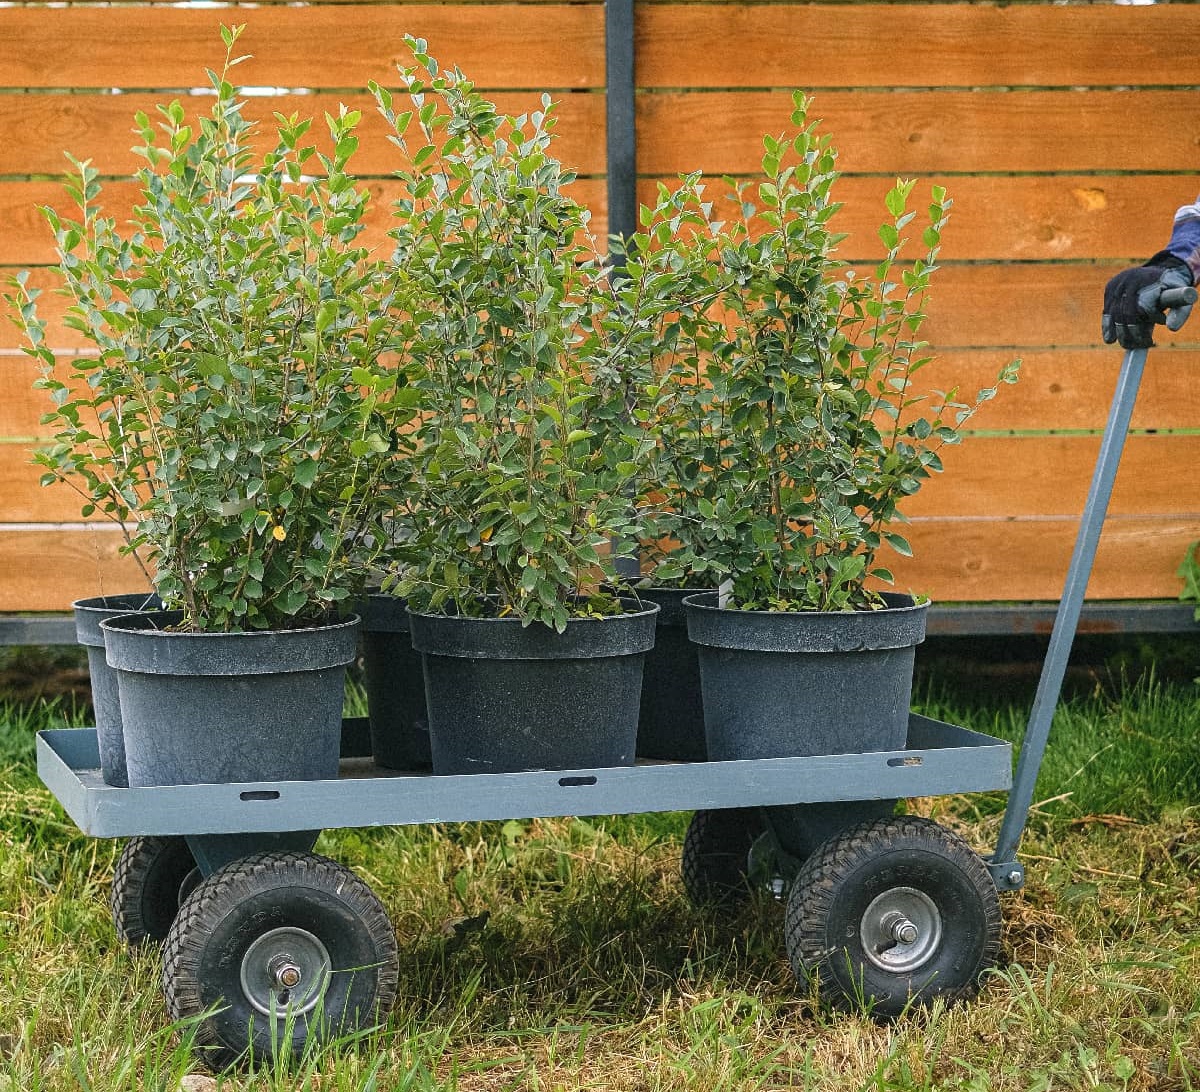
pixel 905 133
pixel 343 46
pixel 24 500
pixel 1028 306
pixel 916 133
pixel 1005 477
pixel 955 561
pixel 1020 218
pixel 1026 560
pixel 35 130
pixel 1075 217
pixel 1062 389
pixel 994 477
pixel 21 407
pixel 1059 389
pixel 916 45
pixel 48 568
pixel 28 240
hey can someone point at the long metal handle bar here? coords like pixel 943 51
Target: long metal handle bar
pixel 1020 799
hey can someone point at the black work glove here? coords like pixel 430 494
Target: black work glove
pixel 1131 301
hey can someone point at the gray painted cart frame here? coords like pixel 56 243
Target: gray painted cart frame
pixel 224 821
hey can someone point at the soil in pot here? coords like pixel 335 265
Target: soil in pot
pixel 106 706
pixel 778 684
pixel 502 697
pixel 395 686
pixel 215 708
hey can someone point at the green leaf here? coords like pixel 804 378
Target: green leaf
pixel 326 313
pixel 305 473
pixel 290 601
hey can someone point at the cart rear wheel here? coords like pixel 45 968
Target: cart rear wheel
pixel 893 913
pixel 154 874
pixel 717 856
pixel 288 948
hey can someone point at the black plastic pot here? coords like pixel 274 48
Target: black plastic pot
pixel 671 725
pixel 778 684
pixel 502 697
pixel 89 613
pixel 395 686
pixel 212 708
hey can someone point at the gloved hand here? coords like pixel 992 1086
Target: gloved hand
pixel 1131 301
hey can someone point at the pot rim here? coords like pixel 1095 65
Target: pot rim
pixel 133 644
pixel 625 634
pixel 901 625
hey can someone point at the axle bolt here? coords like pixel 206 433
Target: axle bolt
pixel 284 971
pixel 905 932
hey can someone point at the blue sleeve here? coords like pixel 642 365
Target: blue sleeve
pixel 1185 237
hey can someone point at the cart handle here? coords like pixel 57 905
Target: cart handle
pixel 1004 867
pixel 1178 302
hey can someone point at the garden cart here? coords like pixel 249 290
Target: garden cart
pixel 271 943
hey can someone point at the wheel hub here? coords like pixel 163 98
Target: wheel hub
pixel 285 972
pixel 901 930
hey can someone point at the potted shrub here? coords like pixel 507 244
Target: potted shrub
pixel 89 457
pixel 526 452
pixel 671 724
pixel 239 324
pixel 812 428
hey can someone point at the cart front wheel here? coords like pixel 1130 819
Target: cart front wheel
pixel 893 913
pixel 282 950
pixel 716 862
pixel 154 875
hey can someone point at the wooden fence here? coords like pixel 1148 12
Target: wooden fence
pixel 1066 134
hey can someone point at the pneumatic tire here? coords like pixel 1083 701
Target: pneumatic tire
pixel 277 951
pixel 716 863
pixel 153 876
pixel 892 914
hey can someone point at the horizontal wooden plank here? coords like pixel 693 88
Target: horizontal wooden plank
pixel 986 476
pixel 1070 388
pixel 28 241
pixel 497 45
pixel 919 133
pixel 934 45
pixel 1047 476
pixel 905 133
pixel 48 568
pixel 1022 218
pixel 1026 560
pixel 1026 305
pixel 21 407
pixel 1031 304
pixel 36 129
pixel 1059 389
pixel 496 3
pixel 24 500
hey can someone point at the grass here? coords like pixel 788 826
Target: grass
pixel 561 955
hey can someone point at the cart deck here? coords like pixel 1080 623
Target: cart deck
pixel 940 758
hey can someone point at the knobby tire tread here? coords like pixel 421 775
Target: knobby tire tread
pixel 138 856
pixel 820 878
pixel 718 833
pixel 221 889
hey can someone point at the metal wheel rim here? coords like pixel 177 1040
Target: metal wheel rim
pixel 901 930
pixel 271 961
